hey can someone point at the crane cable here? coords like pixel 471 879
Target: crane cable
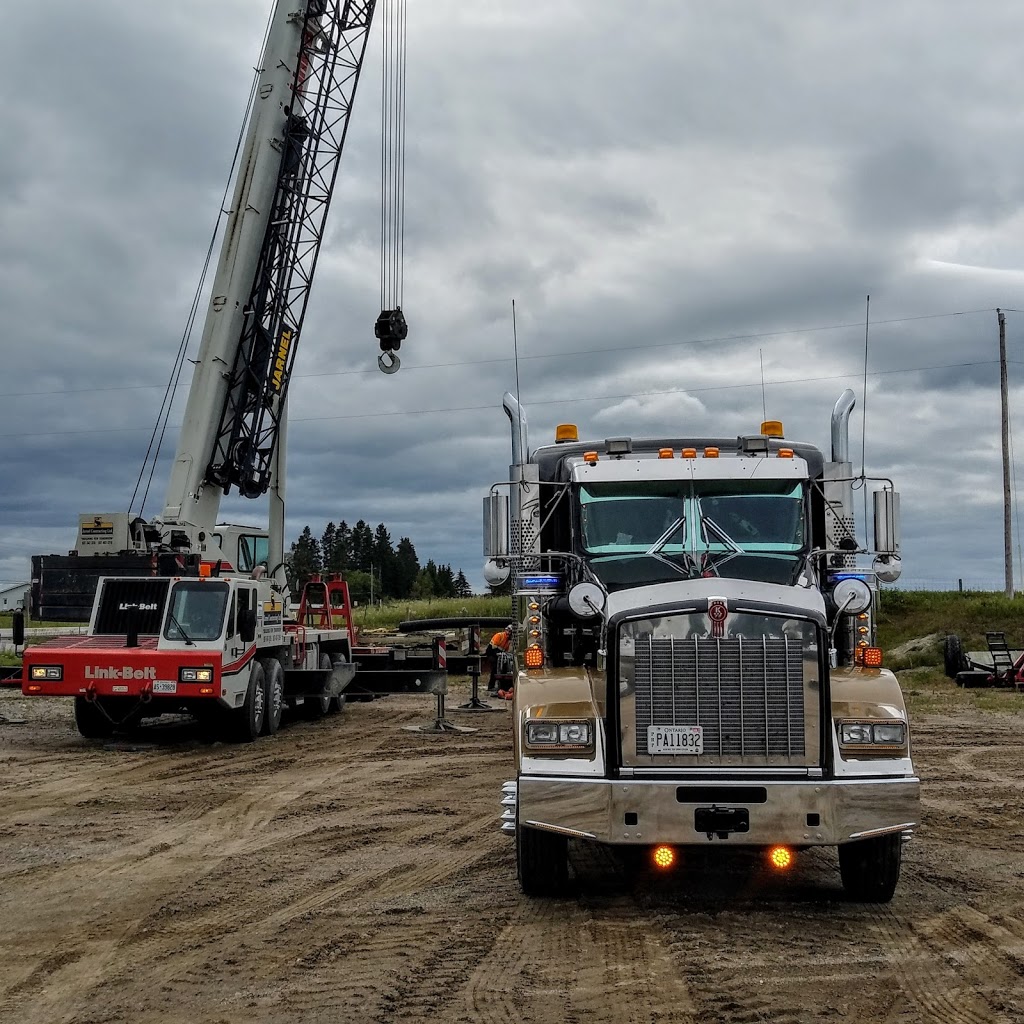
pixel 391 328
pixel 156 438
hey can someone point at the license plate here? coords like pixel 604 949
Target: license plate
pixel 675 739
pixel 165 686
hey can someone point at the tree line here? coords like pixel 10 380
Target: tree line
pixel 374 568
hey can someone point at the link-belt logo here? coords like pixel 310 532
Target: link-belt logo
pixel 282 358
pixel 113 672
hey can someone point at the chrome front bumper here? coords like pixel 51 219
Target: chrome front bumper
pixel 811 812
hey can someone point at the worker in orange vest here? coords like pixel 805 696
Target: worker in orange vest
pixel 497 654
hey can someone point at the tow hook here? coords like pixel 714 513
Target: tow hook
pixel 147 694
pixel 90 693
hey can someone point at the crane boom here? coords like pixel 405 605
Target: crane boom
pixel 232 431
pixel 298 126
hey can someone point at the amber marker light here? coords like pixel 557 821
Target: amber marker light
pixel 785 453
pixel 664 857
pixel 689 453
pixel 711 453
pixel 780 857
pixel 590 457
pixel 873 657
pixel 665 453
pixel 534 657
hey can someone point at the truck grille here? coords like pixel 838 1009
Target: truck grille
pixel 747 694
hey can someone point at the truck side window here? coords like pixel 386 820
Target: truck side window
pixel 243 600
pixel 231 617
pixel 252 551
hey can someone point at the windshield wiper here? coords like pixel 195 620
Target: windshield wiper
pixel 181 629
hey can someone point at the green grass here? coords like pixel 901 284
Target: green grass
pixel 908 614
pixel 389 615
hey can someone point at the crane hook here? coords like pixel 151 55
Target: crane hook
pixel 391 330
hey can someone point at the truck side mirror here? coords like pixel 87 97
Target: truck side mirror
pixel 496 526
pixel 247 625
pixel 18 629
pixel 887 522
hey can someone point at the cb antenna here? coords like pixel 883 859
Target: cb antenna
pixel 764 401
pixel 864 420
pixel 515 353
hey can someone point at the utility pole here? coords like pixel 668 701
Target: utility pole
pixel 1005 407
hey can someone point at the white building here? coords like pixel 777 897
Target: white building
pixel 13 596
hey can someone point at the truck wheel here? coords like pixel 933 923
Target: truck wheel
pixel 542 861
pixel 319 704
pixel 92 723
pixel 870 868
pixel 953 656
pixel 247 721
pixel 273 686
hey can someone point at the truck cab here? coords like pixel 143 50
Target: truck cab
pixel 697 659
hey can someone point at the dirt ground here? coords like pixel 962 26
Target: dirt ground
pixel 348 871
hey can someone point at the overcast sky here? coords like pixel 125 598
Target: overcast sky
pixel 672 192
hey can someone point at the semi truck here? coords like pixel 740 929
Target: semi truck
pixel 185 614
pixel 696 660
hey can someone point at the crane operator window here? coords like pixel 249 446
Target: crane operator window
pixel 196 611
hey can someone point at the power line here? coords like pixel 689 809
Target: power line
pixel 542 355
pixel 551 401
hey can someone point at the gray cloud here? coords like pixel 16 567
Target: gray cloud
pixel 641 183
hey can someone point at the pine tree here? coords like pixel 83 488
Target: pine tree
pixel 327 546
pixel 362 546
pixel 384 561
pixel 340 557
pixel 304 558
pixel 407 568
pixel 445 582
pixel 462 587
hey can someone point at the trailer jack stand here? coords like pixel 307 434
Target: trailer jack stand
pixel 475 704
pixel 440 723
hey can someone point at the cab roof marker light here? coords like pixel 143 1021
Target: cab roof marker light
pixel 784 453
pixel 665 453
pixel 590 457
pixel 711 453
pixel 688 453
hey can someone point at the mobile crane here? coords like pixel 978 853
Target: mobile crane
pixel 194 615
pixel 696 653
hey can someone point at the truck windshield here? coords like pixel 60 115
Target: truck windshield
pixel 196 611
pixel 656 531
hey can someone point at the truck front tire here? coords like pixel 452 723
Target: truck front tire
pixel 92 723
pixel 870 868
pixel 542 861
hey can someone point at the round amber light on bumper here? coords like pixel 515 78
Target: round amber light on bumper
pixel 664 857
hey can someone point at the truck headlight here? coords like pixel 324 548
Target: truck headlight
pixel 547 734
pixel 868 734
pixel 50 673
pixel 195 675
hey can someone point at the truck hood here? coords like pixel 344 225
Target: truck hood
pixel 804 601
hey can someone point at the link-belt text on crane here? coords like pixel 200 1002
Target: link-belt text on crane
pixel 282 358
pixel 113 672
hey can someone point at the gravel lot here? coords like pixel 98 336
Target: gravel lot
pixel 349 871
